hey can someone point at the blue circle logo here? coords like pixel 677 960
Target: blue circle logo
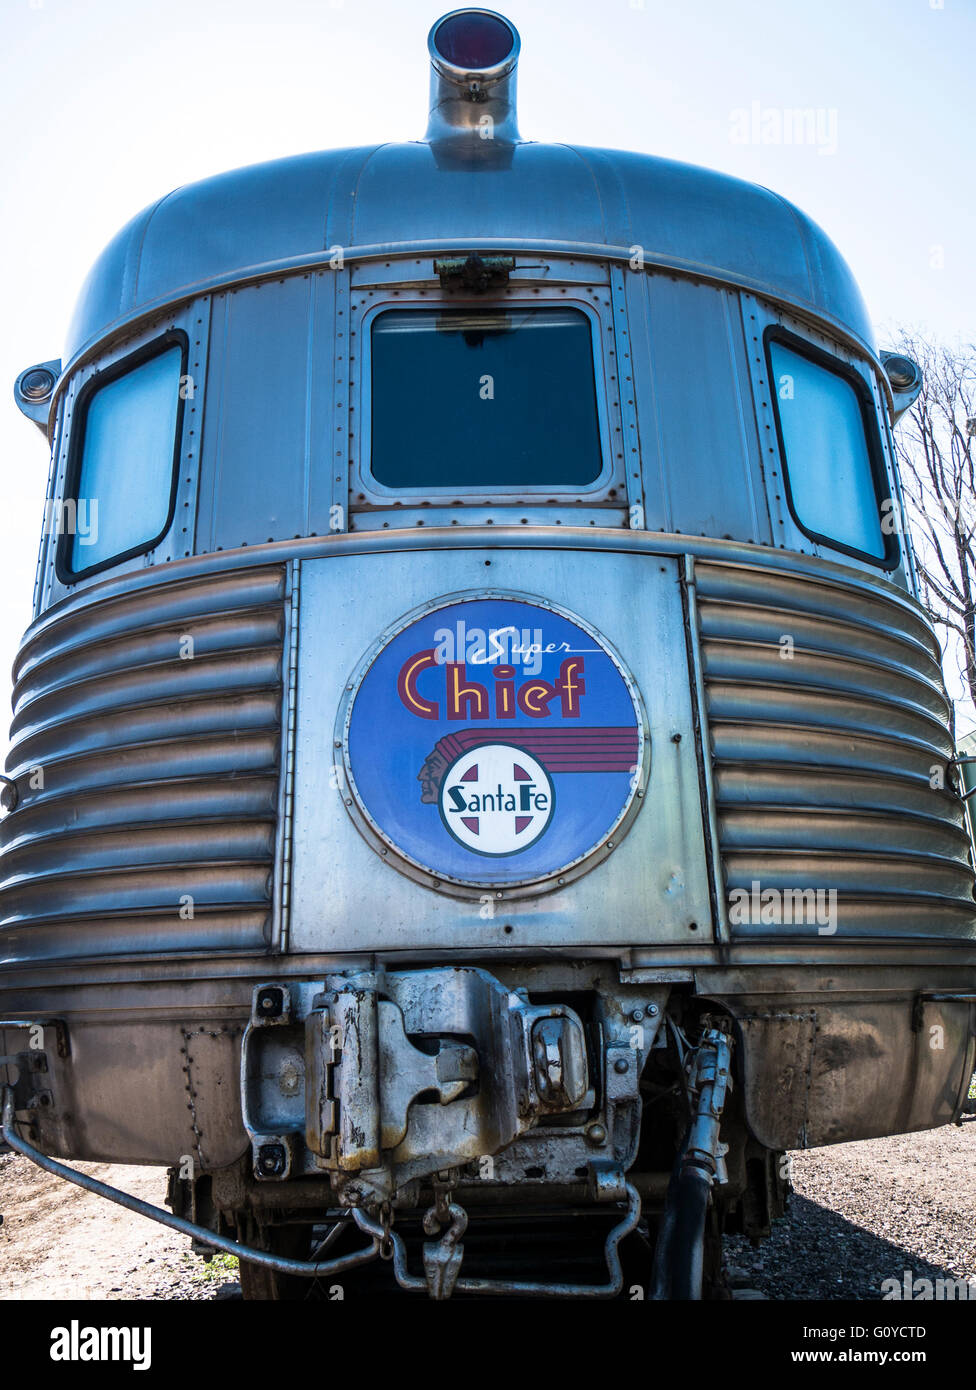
pixel 493 741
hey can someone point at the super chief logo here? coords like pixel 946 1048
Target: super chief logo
pixel 469 699
pixel 521 729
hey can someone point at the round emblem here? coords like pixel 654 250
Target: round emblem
pixel 492 741
pixel 496 799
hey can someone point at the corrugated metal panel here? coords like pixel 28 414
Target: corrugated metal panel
pixel 828 724
pixel 160 773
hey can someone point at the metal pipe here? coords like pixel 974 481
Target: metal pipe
pixel 691 1208
pixel 165 1218
pixel 678 1266
pixel 517 1287
pixel 330 1239
pixel 660 1289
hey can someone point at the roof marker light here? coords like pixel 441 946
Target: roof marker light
pixel 473 55
pixel 473 43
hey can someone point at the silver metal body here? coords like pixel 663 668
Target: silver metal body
pixel 212 779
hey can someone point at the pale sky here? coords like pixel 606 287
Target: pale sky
pixel 107 104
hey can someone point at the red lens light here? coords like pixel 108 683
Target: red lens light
pixel 473 41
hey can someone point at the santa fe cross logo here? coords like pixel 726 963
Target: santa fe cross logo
pixel 496 799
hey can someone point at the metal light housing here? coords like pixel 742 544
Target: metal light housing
pixel 474 56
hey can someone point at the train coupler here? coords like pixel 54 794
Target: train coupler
pixel 383 1079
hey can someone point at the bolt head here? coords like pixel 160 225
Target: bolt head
pixel 271 1160
pixel 271 1001
pixel 596 1135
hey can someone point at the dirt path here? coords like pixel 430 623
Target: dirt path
pixel 58 1241
pixel 861 1213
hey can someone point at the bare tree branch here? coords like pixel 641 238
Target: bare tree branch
pixel 936 444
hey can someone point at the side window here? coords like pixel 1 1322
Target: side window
pixel 831 451
pixel 122 462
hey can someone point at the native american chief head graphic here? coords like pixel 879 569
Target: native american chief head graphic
pixel 558 750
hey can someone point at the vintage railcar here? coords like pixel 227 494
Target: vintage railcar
pixel 478 760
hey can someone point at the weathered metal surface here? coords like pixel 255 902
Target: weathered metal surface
pixel 820 1073
pixel 650 885
pixel 145 748
pixel 828 723
pixel 281 368
pixel 124 1096
pixel 145 779
pixel 265 218
pixel 365 1077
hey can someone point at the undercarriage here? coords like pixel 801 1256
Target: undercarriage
pixel 443 1132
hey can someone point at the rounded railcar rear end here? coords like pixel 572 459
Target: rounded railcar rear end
pixel 479 751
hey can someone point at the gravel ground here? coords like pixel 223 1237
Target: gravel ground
pixel 59 1242
pixel 863 1213
pixel 860 1213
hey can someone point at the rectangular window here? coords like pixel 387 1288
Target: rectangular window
pixel 831 456
pixel 121 471
pixel 484 398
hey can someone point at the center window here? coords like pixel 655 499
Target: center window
pixel 484 398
